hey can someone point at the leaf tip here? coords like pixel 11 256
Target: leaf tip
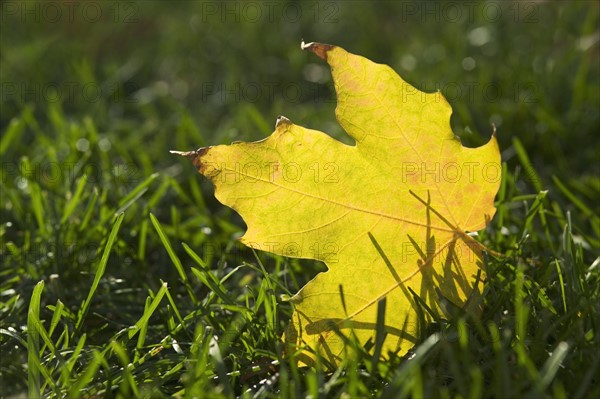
pixel 319 49
pixel 195 157
pixel 282 120
pixel 191 155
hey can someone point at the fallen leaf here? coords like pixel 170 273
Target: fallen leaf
pixel 387 215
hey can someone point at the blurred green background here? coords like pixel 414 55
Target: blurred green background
pixel 106 89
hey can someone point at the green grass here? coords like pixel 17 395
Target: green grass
pixel 121 275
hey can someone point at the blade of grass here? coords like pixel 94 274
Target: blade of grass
pixel 13 132
pixel 215 288
pixel 33 341
pixel 143 321
pixel 266 295
pixel 536 207
pixel 143 330
pixel 35 331
pixel 198 366
pixel 158 193
pixel 121 353
pixel 143 238
pixel 174 258
pixel 562 285
pixel 56 316
pixel 573 198
pixel 176 311
pixel 552 365
pixel 136 193
pixel 398 387
pixel 380 334
pixel 89 210
pixel 521 309
pixel 530 172
pixel 215 353
pixel 74 201
pixel 87 376
pixel 37 200
pixel 502 196
pixel 66 372
pixel 501 372
pixel 99 273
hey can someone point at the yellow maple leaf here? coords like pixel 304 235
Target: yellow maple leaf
pixel 387 215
